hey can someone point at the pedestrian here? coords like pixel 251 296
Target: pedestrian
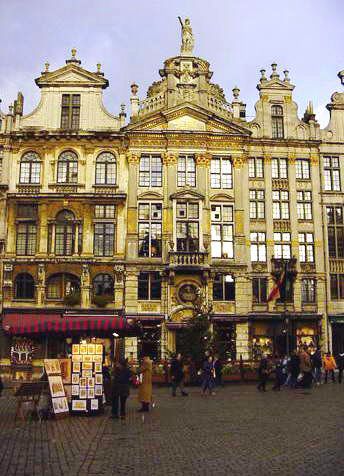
pixel 329 366
pixel 294 369
pixel 279 376
pixel 340 365
pixel 208 378
pixel 218 371
pixel 317 366
pixel 177 375
pixel 263 373
pixel 120 388
pixel 1 386
pixel 145 387
pixel 285 369
pixel 305 368
pixel 107 384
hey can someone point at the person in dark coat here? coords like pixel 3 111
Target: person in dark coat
pixel 120 388
pixel 279 375
pixel 263 373
pixel 294 369
pixel 218 371
pixel 208 377
pixel 107 384
pixel 316 360
pixel 340 366
pixel 1 386
pixel 177 375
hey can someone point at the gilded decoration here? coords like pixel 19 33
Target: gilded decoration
pixel 133 158
pixel 203 160
pixel 314 159
pixel 291 158
pixel 169 158
pixel 239 161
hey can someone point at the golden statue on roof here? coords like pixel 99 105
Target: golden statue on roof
pixel 188 40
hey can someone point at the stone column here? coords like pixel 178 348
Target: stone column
pixel 170 186
pixel 11 229
pixel 171 341
pixel 43 228
pixel 87 232
pixel 132 238
pixel 202 168
pixel 240 221
pixel 119 286
pixel 85 287
pixel 41 285
pixel 131 291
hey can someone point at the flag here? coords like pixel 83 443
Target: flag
pixel 279 287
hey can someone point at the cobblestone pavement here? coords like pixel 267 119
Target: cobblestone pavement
pixel 238 431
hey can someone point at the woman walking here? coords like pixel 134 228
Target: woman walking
pixel 145 387
pixel 329 366
pixel 208 382
pixel 120 389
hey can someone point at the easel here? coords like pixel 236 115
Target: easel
pixel 29 392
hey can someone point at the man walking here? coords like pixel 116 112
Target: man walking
pixel 317 365
pixel 177 376
pixel 263 373
pixel 340 365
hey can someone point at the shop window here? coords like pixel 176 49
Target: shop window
pixel 30 168
pixel 187 225
pixel 255 167
pixel 24 286
pixel 150 229
pixel 306 248
pixel 106 169
pixel 70 111
pixel 149 286
pixel 186 171
pixel 224 339
pixel 222 235
pixel 308 287
pixel 279 168
pixel 258 247
pixel 261 345
pixel 280 205
pixel 335 232
pixel 304 205
pixel 259 290
pixel 277 125
pixel 221 173
pixel 150 173
pixel 303 170
pixel 257 204
pixel 61 285
pixel 337 286
pixel 67 167
pixel 103 285
pixel 149 343
pixel 224 287
pixel 331 173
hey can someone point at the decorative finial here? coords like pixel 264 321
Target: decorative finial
pixel 73 59
pixel 134 89
pixel 236 92
pixel 262 77
pixel 123 108
pixel 274 71
pixel 99 68
pixel 10 108
pixel 341 76
pixel 73 53
pixel 46 67
pixel 286 76
pixel 188 41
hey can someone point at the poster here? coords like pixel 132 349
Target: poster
pixel 52 366
pixel 56 386
pixel 66 370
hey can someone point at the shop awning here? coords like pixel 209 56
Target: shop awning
pixel 35 323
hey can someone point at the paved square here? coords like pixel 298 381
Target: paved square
pixel 239 431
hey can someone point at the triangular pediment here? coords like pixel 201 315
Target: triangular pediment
pixel 187 194
pixel 71 75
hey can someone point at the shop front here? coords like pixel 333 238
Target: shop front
pixel 337 325
pixel 149 338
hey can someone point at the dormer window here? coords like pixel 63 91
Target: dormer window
pixel 70 111
pixel 277 125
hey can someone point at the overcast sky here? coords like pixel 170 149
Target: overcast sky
pixel 131 39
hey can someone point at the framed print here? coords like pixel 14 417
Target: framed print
pixel 76 349
pixel 79 405
pixel 90 382
pixel 76 367
pixel 60 405
pixel 75 390
pixel 66 370
pixel 98 390
pixel 87 373
pixel 99 379
pixel 87 358
pixel 90 393
pixel 91 348
pixel 83 349
pixel 52 366
pixel 99 349
pixel 82 392
pixel 87 366
pixel 56 386
pixel 98 358
pixel 75 379
pixel 83 382
pixel 98 367
pixel 77 358
pixel 94 404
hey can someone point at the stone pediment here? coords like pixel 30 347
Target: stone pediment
pixel 150 196
pixel 71 75
pixel 187 195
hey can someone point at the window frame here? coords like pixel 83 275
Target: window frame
pixel 262 297
pixel 281 245
pixel 74 280
pixel 32 294
pixel 106 163
pixel 217 176
pixel 259 245
pixel 226 291
pixel 149 171
pixel 332 179
pixel 70 111
pixel 302 172
pixel 101 277
pixel 154 277
pixel 304 207
pixel 256 204
pixel 277 121
pixel 255 171
pixel 148 225
pixel 186 176
pixel 308 294
pixel 279 168
pixel 71 171
pixel 27 236
pixel 335 231
pixel 337 285
pixel 190 224
pixel 280 205
pixel 30 162
pixel 306 247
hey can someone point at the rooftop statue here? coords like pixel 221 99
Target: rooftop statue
pixel 188 40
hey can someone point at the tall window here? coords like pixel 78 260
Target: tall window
pixel 277 122
pixel 280 205
pixel 222 240
pixel 65 234
pixel 149 286
pixel 70 111
pixel 306 247
pixel 104 230
pixel 303 170
pixel 335 232
pixel 279 168
pixel 103 285
pixel 30 168
pixel 67 167
pixel 150 171
pixel 257 204
pixel 282 245
pixel 24 286
pixel 304 205
pixel 186 171
pixel 61 285
pixel 150 229
pixel 221 172
pixel 258 246
pixel 259 290
pixel 308 288
pixel 337 286
pixel 26 229
pixel 224 287
pixel 332 173
pixel 187 226
pixel 106 169
pixel 255 167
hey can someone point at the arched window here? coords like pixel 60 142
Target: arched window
pixel 30 168
pixel 65 233
pixel 277 122
pixel 106 169
pixel 61 285
pixel 103 285
pixel 24 286
pixel 67 167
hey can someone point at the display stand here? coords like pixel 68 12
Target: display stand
pixel 57 391
pixel 28 392
pixel 87 379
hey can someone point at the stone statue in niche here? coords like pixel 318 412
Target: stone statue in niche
pixel 188 40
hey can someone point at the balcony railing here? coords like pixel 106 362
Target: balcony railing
pixel 188 258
